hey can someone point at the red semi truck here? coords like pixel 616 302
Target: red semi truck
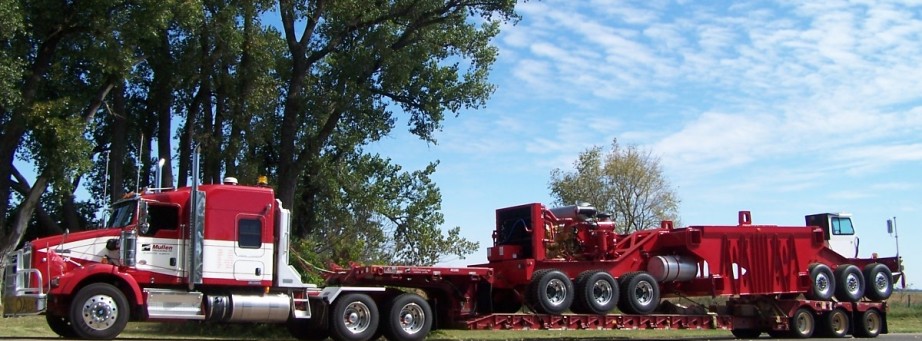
pixel 221 253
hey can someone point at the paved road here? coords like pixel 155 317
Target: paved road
pixel 887 337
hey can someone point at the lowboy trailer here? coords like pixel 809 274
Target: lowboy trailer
pixel 220 253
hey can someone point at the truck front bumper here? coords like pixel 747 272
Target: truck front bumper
pixel 22 285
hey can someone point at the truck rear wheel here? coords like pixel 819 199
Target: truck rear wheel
pixel 879 280
pixel 99 311
pixel 822 285
pixel 849 283
pixel 409 318
pixel 551 292
pixel 639 293
pixel 802 324
pixel 354 318
pixel 869 324
pixel 833 324
pixel 596 292
pixel 60 325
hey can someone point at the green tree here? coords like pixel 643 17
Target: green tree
pixel 627 182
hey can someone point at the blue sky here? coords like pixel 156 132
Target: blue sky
pixel 781 108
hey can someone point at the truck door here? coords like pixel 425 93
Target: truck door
pixel 160 242
pixel 842 237
pixel 250 250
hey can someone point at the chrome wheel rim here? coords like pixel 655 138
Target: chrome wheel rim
pixel 602 292
pixel 644 293
pixel 412 317
pixel 556 292
pixel 100 312
pixel 357 317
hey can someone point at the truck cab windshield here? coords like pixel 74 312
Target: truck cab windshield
pixel 122 214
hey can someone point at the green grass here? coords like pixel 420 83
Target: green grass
pixel 905 316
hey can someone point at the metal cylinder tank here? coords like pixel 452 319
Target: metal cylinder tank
pixel 249 308
pixel 672 268
pixel 582 211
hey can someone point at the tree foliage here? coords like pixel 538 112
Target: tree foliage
pixel 627 182
pixel 93 93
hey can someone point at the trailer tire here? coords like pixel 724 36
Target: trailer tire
pixel 834 324
pixel 746 333
pixel 639 293
pixel 822 284
pixel 99 311
pixel 354 318
pixel 879 281
pixel 409 318
pixel 849 283
pixel 596 292
pixel 869 324
pixel 551 292
pixel 802 324
pixel 60 325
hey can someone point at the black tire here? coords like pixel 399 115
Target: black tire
pixel 869 324
pixel 834 324
pixel 849 283
pixel 60 325
pixel 99 311
pixel 354 318
pixel 408 318
pixel 306 329
pixel 746 333
pixel 551 292
pixel 802 324
pixel 879 282
pixel 822 284
pixel 596 293
pixel 639 293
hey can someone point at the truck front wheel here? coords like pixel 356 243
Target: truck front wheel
pixel 409 318
pixel 354 318
pixel 99 311
pixel 60 325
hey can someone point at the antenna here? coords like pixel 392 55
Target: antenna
pixel 105 191
pixel 137 181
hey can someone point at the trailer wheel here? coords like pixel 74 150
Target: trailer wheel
pixel 551 292
pixel 833 324
pixel 99 311
pixel 409 318
pixel 746 333
pixel 802 324
pixel 879 281
pixel 60 325
pixel 639 293
pixel 596 292
pixel 354 318
pixel 869 324
pixel 822 285
pixel 849 283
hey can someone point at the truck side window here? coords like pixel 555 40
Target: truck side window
pixel 249 233
pixel 842 226
pixel 162 218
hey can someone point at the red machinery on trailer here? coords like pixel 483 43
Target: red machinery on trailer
pixel 784 280
pixel 220 253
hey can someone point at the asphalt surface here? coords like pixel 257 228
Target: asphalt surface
pixel 888 337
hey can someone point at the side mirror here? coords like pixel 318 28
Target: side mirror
pixel 143 224
pixel 890 226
